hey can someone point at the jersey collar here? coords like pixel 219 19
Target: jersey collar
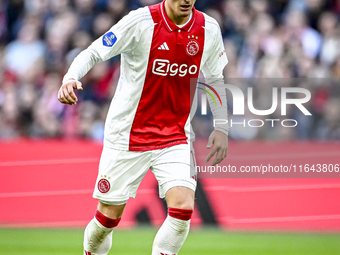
pixel 172 26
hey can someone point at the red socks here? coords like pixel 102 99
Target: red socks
pixel 181 214
pixel 105 221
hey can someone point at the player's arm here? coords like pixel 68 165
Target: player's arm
pixel 120 38
pixel 213 72
pixel 218 140
pixel 79 67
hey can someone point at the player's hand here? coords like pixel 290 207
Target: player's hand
pixel 66 93
pixel 219 143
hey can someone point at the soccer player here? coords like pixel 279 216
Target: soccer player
pixel 162 48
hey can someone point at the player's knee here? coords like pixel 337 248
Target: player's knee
pixel 184 204
pixel 111 211
pixel 181 198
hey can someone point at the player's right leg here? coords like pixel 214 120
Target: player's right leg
pixel 98 233
pixel 120 173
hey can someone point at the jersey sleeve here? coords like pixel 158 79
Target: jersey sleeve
pixel 121 38
pixel 217 60
pixel 213 73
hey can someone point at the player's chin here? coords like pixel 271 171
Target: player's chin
pixel 184 13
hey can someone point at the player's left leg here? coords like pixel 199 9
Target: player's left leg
pixel 172 234
pixel 174 169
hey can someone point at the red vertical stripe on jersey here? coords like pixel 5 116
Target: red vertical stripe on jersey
pixel 164 106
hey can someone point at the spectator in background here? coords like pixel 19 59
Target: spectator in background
pixel 58 33
pixel 328 26
pixel 117 9
pixel 87 14
pixel 57 8
pixel 299 29
pixel 9 110
pixel 329 126
pixel 46 110
pixel 3 17
pixel 102 23
pixel 26 51
pixel 79 42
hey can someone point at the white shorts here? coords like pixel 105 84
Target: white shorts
pixel 121 172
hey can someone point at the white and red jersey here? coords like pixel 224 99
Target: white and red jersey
pixel 151 107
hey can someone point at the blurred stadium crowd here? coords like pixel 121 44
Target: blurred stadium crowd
pixel 263 38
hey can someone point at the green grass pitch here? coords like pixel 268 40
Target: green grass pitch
pixel 199 242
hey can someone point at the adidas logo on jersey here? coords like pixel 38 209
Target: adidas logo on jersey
pixel 164 46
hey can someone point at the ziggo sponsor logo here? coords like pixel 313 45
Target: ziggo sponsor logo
pixel 163 67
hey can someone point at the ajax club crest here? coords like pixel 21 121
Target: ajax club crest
pixel 104 185
pixel 192 46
